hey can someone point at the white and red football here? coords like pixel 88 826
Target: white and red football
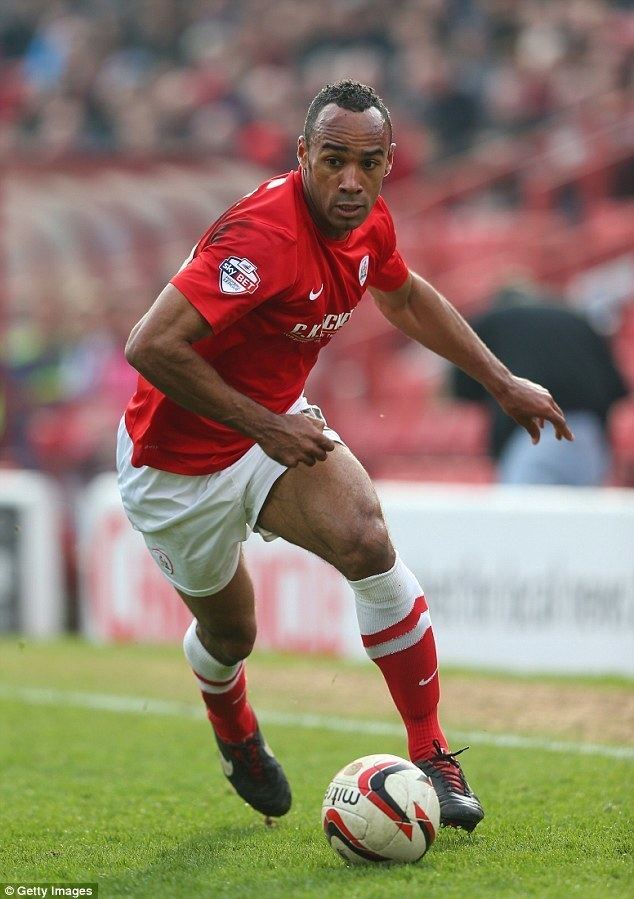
pixel 380 808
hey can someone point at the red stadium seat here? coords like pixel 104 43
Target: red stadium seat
pixel 621 432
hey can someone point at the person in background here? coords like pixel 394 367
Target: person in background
pixel 558 348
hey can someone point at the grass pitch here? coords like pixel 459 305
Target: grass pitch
pixel 130 794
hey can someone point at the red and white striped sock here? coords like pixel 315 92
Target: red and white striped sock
pixel 223 689
pixel 397 635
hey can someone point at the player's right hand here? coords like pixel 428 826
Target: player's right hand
pixel 293 439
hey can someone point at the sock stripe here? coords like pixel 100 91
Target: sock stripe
pixel 397 635
pixel 217 686
pixel 402 627
pixel 405 641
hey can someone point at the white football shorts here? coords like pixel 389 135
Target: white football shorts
pixel 193 525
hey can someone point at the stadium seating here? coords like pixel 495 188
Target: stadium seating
pixel 478 224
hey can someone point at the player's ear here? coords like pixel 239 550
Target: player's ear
pixel 390 159
pixel 302 151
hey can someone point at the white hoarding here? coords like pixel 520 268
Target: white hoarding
pixel 32 597
pixel 123 595
pixel 521 579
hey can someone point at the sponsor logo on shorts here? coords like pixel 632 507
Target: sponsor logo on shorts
pixel 363 270
pixel 238 276
pixel 163 559
pixel 331 323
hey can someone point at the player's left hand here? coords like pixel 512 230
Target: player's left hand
pixel 531 405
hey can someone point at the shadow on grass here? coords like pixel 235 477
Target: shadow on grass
pixel 229 860
pixel 253 860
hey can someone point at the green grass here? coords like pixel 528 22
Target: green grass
pixel 137 802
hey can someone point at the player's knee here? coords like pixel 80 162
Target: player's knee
pixel 228 647
pixel 237 648
pixel 365 549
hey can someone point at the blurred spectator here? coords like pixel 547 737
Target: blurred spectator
pixel 558 348
pixel 165 76
pixel 31 352
pixel 230 79
pixel 65 387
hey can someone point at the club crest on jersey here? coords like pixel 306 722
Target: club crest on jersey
pixel 238 276
pixel 363 270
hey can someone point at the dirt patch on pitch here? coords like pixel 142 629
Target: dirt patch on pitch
pixel 566 711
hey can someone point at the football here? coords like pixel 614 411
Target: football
pixel 380 808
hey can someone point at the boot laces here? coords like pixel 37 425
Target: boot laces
pixel 446 763
pixel 250 754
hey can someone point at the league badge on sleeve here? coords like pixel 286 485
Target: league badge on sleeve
pixel 238 276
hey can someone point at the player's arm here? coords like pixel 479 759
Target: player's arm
pixel 420 312
pixel 160 348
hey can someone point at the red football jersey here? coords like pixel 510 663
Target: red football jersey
pixel 275 291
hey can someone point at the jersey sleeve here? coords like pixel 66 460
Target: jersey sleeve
pixel 240 268
pixel 389 271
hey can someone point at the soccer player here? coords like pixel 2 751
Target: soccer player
pixel 219 440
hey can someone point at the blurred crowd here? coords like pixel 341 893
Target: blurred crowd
pixel 141 79
pixel 66 383
pixel 234 76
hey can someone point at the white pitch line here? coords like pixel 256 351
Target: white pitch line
pixel 139 705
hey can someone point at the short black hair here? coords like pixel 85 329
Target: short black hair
pixel 346 94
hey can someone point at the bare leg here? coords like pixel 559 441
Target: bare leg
pixel 332 510
pixel 216 644
pixel 226 620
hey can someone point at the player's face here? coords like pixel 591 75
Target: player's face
pixel 343 167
